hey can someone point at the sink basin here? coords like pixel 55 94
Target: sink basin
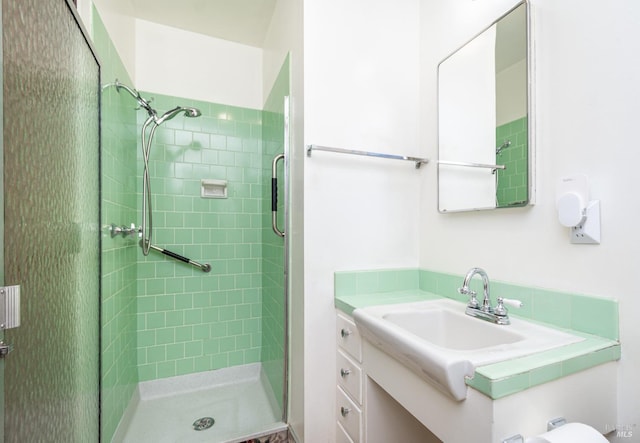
pixel 451 330
pixel 443 345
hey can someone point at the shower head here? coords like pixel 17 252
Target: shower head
pixel 503 146
pixel 188 112
pixel 192 112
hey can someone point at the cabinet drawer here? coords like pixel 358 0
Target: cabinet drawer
pixel 348 337
pixel 349 376
pixel 341 435
pixel 348 415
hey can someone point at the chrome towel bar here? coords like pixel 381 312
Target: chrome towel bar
pixel 418 161
pixel 472 165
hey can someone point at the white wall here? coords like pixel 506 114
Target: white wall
pixel 186 64
pixel 171 61
pixel 84 11
pixel 121 26
pixel 285 36
pixel 361 91
pixel 511 93
pixel 587 111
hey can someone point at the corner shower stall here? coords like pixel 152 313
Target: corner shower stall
pixel 189 355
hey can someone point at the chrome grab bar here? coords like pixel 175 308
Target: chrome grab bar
pixel 419 161
pixel 274 195
pixel 473 165
pixel 203 267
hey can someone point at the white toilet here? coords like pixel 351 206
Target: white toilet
pixel 569 433
pixel 559 431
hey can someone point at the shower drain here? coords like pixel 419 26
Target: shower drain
pixel 203 423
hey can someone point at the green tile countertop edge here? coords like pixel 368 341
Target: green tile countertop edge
pixel 371 288
pixel 510 377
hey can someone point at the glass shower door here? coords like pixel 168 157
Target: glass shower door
pixel 274 240
pixel 51 225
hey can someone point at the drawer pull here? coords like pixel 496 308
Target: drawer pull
pixel 344 372
pixel 344 411
pixel 345 333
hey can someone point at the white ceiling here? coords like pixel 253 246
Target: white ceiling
pixel 240 21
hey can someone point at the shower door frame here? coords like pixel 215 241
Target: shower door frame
pixel 1 218
pixel 287 155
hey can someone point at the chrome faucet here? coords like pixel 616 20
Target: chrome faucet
pixel 473 302
pixel 499 315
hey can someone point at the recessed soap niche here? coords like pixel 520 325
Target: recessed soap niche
pixel 210 188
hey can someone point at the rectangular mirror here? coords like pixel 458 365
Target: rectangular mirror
pixel 484 149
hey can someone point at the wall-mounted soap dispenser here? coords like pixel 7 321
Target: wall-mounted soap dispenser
pixel 576 212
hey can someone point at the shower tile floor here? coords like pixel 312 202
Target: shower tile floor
pixel 242 409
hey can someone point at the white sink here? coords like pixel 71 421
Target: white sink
pixel 449 329
pixel 443 345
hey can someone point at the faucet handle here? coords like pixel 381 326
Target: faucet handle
pixel 473 301
pixel 512 302
pixel 501 310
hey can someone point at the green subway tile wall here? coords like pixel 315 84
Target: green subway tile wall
pixel 119 373
pixel 273 308
pixel 513 185
pixel 189 321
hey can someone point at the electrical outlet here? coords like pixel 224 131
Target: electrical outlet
pixel 588 232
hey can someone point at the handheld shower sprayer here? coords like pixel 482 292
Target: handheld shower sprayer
pixel 188 112
pixel 146 181
pixel 154 121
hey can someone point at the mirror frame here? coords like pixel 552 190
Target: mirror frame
pixel 531 156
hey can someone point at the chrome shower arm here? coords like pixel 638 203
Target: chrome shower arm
pixel 135 94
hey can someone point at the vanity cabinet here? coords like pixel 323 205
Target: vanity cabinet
pixel 349 411
pixel 365 413
pixel 379 399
